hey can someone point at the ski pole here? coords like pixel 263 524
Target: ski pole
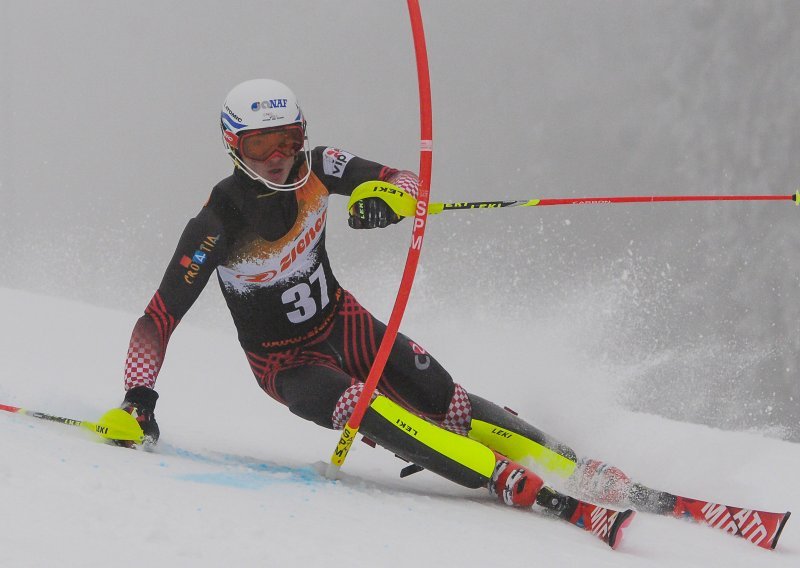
pixel 49 417
pixel 116 424
pixel 439 207
pixel 404 203
pixel 420 214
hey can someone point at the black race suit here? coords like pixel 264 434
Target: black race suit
pixel 307 339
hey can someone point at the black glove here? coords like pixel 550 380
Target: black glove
pixel 371 213
pixel 140 402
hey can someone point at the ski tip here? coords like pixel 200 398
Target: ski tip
pixel 780 529
pixel 620 524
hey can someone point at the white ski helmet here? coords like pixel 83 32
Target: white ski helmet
pixel 259 104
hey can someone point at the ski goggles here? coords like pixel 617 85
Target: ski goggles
pixel 261 144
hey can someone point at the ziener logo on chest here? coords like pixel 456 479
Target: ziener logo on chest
pixel 267 266
pixel 302 243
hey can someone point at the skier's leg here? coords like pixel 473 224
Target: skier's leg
pixel 587 478
pixel 414 379
pixel 508 434
pixel 308 382
pixel 471 464
pixel 416 440
pixel 604 483
pixel 410 377
pixel 313 387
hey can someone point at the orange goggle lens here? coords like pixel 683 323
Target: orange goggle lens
pixel 261 144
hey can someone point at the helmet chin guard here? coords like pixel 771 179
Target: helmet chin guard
pixel 259 104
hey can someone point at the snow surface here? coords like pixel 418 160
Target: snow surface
pixel 235 479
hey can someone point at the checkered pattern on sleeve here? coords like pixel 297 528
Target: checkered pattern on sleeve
pixel 148 345
pixel 143 361
pixel 405 180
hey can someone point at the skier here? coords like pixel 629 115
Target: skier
pixel 310 344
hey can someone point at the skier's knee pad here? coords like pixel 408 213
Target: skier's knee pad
pixel 454 457
pixel 511 436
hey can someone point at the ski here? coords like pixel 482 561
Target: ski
pixel 610 486
pixel 762 528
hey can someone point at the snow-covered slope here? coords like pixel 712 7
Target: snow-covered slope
pixel 243 489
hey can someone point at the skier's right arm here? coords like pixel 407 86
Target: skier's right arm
pixel 198 253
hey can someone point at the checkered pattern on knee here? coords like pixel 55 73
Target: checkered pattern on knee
pixel 459 413
pixel 346 404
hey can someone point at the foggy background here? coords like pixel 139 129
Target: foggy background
pixel 111 143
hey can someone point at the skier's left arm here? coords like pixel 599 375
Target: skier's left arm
pixel 342 172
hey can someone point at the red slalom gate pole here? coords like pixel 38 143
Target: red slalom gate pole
pixel 417 234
